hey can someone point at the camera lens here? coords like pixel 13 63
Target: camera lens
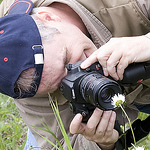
pixel 106 93
pixel 98 90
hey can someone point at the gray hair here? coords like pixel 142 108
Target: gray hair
pixel 46 32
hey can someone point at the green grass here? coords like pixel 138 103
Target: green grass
pixel 12 128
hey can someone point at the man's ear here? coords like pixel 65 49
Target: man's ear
pixel 47 16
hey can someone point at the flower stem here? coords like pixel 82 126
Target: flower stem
pixel 129 123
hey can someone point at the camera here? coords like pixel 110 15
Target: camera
pixel 88 88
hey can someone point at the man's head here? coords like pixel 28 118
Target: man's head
pixel 64 41
pixel 69 45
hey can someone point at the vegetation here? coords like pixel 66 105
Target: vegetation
pixel 12 128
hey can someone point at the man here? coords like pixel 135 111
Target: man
pixel 72 49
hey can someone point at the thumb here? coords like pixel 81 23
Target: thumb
pixel 76 126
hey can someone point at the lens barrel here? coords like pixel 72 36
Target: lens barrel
pixel 98 90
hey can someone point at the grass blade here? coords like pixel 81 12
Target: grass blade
pixel 60 123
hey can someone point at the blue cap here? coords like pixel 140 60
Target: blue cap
pixel 20 48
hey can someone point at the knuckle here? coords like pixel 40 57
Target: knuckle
pixel 100 132
pixel 109 132
pixel 89 138
pixel 90 129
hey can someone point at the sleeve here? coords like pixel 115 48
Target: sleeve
pixel 4 7
pixel 78 141
pixel 138 94
pixel 1 9
pixel 145 7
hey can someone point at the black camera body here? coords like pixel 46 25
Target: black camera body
pixel 88 88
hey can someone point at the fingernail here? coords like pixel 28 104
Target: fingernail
pixel 113 114
pixel 98 109
pixel 121 77
pixel 82 66
pixel 78 116
pixel 105 73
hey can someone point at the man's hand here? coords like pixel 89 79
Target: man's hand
pixel 99 128
pixel 118 53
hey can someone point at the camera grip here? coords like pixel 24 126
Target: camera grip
pixel 85 110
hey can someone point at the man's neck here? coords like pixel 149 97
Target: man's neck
pixel 70 15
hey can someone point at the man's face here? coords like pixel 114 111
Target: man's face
pixel 69 46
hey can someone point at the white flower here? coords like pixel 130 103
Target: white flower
pixel 118 100
pixel 139 148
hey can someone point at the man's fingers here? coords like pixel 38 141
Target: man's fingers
pixel 112 62
pixel 89 61
pixel 102 127
pixel 110 126
pixel 93 122
pixel 76 127
pixel 123 63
